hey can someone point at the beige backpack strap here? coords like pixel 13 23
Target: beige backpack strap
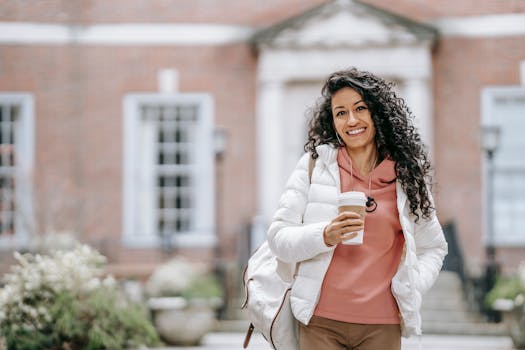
pixel 311 165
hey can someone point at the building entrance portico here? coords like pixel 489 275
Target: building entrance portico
pixel 296 56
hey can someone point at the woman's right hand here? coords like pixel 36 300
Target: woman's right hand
pixel 338 229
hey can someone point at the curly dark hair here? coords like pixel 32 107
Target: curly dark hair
pixel 396 137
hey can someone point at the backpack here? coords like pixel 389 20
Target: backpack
pixel 268 283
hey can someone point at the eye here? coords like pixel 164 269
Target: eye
pixel 340 113
pixel 361 108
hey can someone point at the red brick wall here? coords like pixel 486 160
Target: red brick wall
pixel 243 12
pixel 78 95
pixel 424 10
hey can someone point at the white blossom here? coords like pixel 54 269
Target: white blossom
pixel 109 282
pixel 171 278
pixel 37 278
pixel 93 284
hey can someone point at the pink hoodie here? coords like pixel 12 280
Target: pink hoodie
pixel 356 287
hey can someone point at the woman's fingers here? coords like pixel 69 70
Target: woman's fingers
pixel 349 223
pixel 338 231
pixel 347 215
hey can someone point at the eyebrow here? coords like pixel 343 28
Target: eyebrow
pixel 336 107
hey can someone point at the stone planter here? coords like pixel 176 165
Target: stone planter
pixel 514 318
pixel 182 322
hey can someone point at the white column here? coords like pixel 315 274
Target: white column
pixel 522 73
pixel 418 95
pixel 168 80
pixel 270 146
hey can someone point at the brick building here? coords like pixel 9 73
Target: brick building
pixel 148 127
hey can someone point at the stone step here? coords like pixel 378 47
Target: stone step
pixel 445 293
pixel 464 328
pixel 451 276
pixel 450 316
pixel 445 297
pixel 440 289
pixel 443 304
pixel 448 281
pixel 445 311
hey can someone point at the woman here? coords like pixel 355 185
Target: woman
pixel 359 296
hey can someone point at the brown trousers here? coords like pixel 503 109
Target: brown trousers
pixel 325 334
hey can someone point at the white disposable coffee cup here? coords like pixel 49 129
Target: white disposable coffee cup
pixel 353 201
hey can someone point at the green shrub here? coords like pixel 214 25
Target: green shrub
pixel 505 288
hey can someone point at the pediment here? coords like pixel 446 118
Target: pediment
pixel 345 23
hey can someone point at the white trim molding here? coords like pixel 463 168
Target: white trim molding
pixel 191 34
pixel 25 149
pixel 500 25
pixel 142 172
pixel 29 33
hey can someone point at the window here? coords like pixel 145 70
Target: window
pixel 16 162
pixel 168 170
pixel 505 106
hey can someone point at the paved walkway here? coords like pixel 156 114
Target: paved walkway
pixel 233 341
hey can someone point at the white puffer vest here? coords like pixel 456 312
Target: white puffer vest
pixel 296 236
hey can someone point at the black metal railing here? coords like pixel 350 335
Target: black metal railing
pixel 475 288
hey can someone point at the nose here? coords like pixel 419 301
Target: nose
pixel 351 119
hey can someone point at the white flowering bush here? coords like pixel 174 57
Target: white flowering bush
pixel 62 301
pixel 180 277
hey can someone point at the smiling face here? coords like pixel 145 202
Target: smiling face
pixel 353 121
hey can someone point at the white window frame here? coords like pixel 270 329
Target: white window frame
pixel 488 97
pixel 24 148
pixel 203 234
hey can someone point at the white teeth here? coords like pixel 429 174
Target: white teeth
pixel 356 131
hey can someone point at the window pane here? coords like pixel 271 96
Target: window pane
pixel 509 169
pixel 174 181
pixel 8 118
pixel 187 113
pixel 175 127
pixel 509 113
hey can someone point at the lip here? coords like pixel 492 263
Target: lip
pixel 355 132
